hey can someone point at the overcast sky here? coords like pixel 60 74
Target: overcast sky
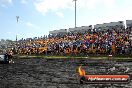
pixel 38 17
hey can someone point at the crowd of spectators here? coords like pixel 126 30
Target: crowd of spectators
pixel 114 41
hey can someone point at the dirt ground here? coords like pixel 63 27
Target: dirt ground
pixel 58 73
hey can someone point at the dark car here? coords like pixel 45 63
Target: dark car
pixel 4 58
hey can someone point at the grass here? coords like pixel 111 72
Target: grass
pixel 119 58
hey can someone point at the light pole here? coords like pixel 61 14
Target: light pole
pixel 75 12
pixel 17 19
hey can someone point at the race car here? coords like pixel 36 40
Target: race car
pixel 5 58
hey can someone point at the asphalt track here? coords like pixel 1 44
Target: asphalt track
pixel 58 73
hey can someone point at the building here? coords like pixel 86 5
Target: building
pixel 61 31
pixel 129 23
pixel 110 25
pixel 116 25
pixel 80 29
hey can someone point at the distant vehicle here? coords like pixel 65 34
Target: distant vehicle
pixel 4 58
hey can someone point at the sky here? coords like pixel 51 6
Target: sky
pixel 38 17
